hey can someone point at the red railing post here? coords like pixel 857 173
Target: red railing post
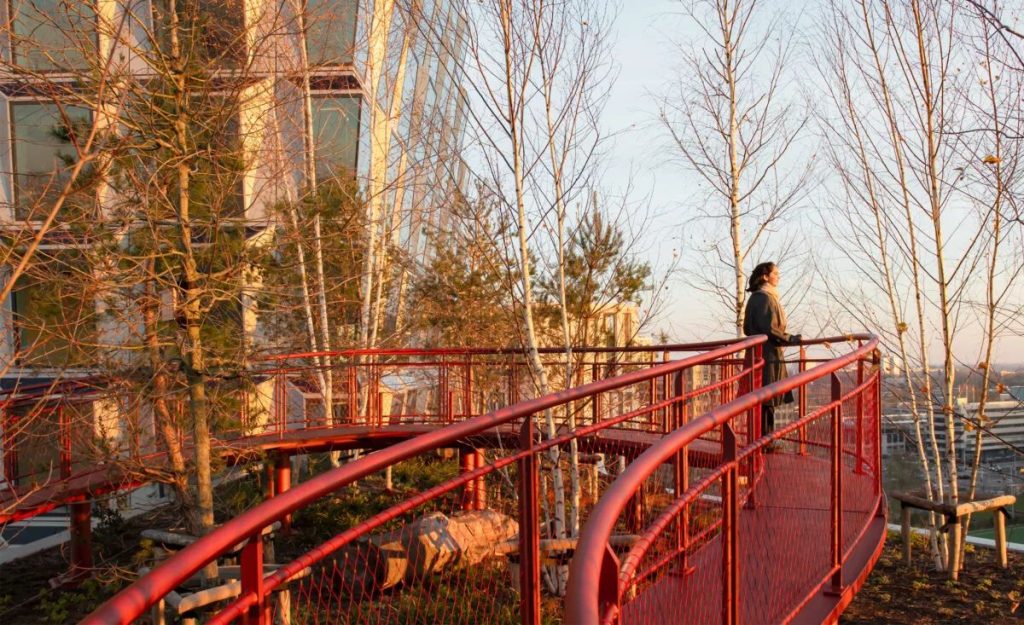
pixel 877 413
pixel 280 402
pixel 608 588
pixel 529 529
pixel 837 485
pixel 353 394
pixel 802 405
pixel 730 531
pixel 467 402
pixel 64 427
pixel 858 466
pixel 682 471
pixel 10 468
pixel 252 581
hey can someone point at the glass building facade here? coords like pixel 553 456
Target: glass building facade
pixel 384 112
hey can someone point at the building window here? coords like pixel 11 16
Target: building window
pixel 54 312
pixel 331 31
pixel 52 35
pixel 43 154
pixel 336 136
pixel 211 32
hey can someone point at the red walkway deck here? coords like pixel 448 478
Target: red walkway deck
pixel 783 550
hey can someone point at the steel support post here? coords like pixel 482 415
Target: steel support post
pixel 64 425
pixel 480 487
pixel 802 402
pixel 282 482
pixel 837 486
pixel 681 469
pixel 730 531
pixel 608 588
pixel 81 537
pixel 252 581
pixel 529 529
pixel 858 466
pixel 467 462
pixel 877 413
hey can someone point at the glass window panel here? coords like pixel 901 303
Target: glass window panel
pixel 42 153
pixel 331 31
pixel 54 312
pixel 211 31
pixel 52 35
pixel 336 135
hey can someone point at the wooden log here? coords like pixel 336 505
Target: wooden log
pixel 905 531
pixel 426 546
pixel 983 505
pixel 1000 522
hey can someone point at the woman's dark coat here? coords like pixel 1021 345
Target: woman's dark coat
pixel 763 315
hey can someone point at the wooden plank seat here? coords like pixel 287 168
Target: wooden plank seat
pixel 998 506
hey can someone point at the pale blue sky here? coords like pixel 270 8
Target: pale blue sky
pixel 645 33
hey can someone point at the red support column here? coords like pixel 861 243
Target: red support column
pixel 282 482
pixel 81 538
pixel 529 529
pixel 837 486
pixel 467 462
pixel 608 588
pixel 730 531
pixel 252 581
pixel 480 488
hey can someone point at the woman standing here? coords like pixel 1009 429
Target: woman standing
pixel 764 315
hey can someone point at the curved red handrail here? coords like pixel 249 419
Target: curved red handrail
pixel 582 603
pixel 145 592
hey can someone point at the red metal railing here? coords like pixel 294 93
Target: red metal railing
pixel 757 537
pixel 279 405
pixel 478 546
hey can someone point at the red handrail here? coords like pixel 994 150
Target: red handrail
pixel 588 571
pixel 145 592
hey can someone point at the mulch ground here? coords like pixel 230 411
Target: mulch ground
pixel 918 594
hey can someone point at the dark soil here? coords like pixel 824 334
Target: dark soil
pixel 918 594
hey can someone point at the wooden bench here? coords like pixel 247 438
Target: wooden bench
pixel 953 515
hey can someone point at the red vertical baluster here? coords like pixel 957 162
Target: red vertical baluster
pixel 730 531
pixel 529 529
pixel 64 425
pixel 608 588
pixel 858 466
pixel 802 405
pixel 837 485
pixel 682 471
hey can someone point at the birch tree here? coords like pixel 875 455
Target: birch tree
pixel 732 123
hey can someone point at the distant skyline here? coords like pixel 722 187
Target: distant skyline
pixel 647 60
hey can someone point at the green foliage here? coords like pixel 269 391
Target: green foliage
pixel 340 208
pixel 464 296
pixel 70 606
pixel 600 271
